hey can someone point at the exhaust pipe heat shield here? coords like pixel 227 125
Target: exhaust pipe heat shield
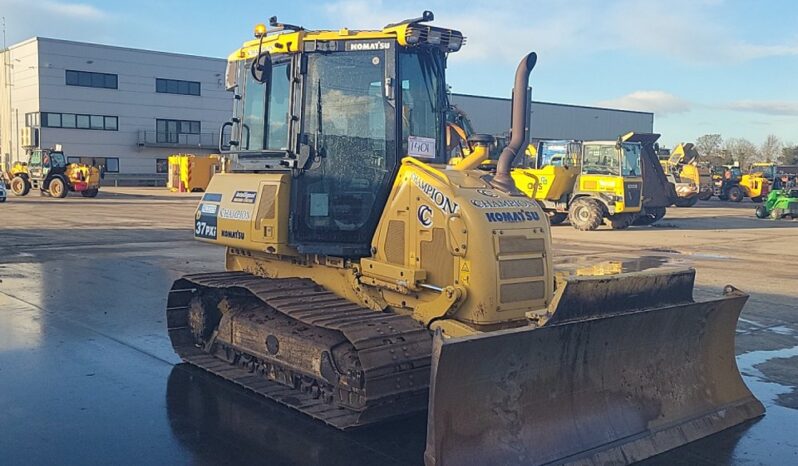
pixel 609 388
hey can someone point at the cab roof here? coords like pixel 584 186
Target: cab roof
pixel 292 39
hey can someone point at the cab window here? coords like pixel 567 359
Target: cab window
pixel 259 133
pixel 600 159
pixel 57 160
pixel 630 159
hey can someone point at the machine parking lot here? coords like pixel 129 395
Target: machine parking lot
pixel 88 374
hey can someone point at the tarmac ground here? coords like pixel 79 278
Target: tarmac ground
pixel 88 375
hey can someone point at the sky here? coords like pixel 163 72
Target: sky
pixel 702 66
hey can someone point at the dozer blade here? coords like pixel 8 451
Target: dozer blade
pixel 609 388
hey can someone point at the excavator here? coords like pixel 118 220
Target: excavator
pixel 365 279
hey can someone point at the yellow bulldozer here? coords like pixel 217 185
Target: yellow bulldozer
pixel 691 181
pixel 365 279
pixel 48 171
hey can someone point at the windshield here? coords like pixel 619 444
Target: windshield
pixel 630 162
pixel 600 159
pixel 423 102
pixel 552 153
pixel 57 160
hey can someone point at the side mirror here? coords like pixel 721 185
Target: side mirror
pixel 262 67
pixel 230 74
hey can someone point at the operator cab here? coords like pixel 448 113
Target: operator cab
pixel 43 161
pixel 339 112
pixel 612 160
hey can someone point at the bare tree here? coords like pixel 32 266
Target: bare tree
pixel 740 150
pixel 771 148
pixel 789 155
pixel 709 145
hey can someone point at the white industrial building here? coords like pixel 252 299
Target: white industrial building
pixel 128 109
pixel 491 115
pixel 124 109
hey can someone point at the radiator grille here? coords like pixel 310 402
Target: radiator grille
pixel 266 206
pixel 520 268
pixel 526 291
pixel 395 242
pixel 436 259
pixel 519 245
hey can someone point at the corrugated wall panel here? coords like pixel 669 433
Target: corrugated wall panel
pixel 554 121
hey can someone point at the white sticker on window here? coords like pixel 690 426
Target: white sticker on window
pixel 418 146
pixel 319 204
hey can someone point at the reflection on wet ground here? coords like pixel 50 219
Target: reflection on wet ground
pixel 205 411
pixel 87 374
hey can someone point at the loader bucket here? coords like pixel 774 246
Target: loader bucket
pixel 610 388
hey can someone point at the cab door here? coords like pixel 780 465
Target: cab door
pixel 35 167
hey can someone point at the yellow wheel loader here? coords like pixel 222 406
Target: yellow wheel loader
pixel 366 279
pixel 48 171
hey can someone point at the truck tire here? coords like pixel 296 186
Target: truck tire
pixel 736 194
pixel 20 186
pixel 90 192
pixel 556 218
pixel 57 188
pixel 620 221
pixel 761 212
pixel 650 216
pixel 686 202
pixel 705 195
pixel 585 214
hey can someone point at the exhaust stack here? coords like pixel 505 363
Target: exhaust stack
pixel 520 114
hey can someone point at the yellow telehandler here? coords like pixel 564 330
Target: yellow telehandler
pixel 48 171
pixel 366 279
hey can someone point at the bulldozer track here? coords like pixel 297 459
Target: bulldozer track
pixel 393 350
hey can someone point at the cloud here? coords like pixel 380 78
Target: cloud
pixel 59 19
pixel 659 102
pixel 766 107
pixel 73 10
pixel 687 31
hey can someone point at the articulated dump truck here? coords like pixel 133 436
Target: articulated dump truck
pixel 365 279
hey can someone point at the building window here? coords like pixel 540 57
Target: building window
pixel 32 119
pixel 175 86
pixel 111 123
pixel 161 166
pixel 72 121
pixel 105 164
pixel 68 120
pixel 52 120
pixel 91 79
pixel 174 131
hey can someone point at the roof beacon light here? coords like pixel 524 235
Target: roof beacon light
pixel 260 30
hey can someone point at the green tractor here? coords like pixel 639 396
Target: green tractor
pixel 780 203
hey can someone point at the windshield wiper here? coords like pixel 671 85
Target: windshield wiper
pixel 318 148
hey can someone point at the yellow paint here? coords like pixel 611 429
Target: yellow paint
pixel 194 172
